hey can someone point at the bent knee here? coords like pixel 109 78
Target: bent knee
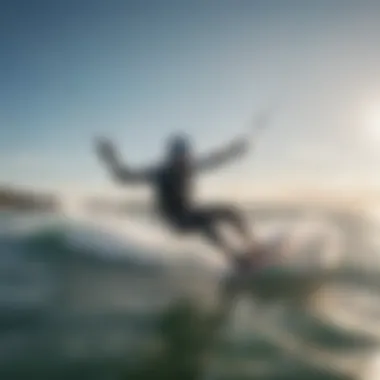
pixel 230 212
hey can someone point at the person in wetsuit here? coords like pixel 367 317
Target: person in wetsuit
pixel 172 183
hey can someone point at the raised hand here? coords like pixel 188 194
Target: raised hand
pixel 106 150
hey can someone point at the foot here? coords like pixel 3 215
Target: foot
pixel 243 262
pixel 256 254
pixel 252 251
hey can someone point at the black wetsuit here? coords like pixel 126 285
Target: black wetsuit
pixel 173 186
pixel 173 191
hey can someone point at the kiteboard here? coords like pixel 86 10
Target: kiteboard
pixel 264 276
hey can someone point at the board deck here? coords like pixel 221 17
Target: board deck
pixel 264 276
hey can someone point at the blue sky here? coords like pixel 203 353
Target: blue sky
pixel 137 71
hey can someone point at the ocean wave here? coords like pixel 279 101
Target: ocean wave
pixel 62 243
pixel 69 239
pixel 99 263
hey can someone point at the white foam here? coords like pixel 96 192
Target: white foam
pixel 153 240
pixel 142 240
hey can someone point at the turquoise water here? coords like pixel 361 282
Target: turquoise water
pixel 80 301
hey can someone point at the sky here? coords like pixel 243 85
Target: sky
pixel 137 71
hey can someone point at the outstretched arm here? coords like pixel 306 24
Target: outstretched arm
pixel 235 149
pixel 120 172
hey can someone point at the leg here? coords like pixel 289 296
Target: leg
pixel 212 234
pixel 205 222
pixel 231 215
pixel 222 213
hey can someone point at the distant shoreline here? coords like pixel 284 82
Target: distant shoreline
pixel 12 199
pixel 16 199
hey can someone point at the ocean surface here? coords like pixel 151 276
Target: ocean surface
pixel 118 297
